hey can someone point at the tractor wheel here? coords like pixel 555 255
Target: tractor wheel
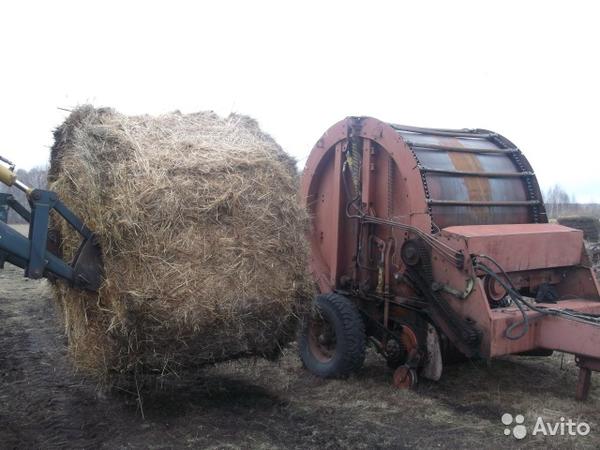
pixel 332 343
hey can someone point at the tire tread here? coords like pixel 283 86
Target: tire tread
pixel 353 329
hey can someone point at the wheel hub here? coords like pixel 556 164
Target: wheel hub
pixel 321 338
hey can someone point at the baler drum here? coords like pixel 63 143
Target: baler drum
pixel 474 180
pixel 404 221
pixel 423 179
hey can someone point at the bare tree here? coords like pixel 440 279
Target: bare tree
pixel 557 200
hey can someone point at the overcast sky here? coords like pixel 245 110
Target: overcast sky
pixel 529 70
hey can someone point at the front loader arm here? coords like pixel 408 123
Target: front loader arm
pixel 31 253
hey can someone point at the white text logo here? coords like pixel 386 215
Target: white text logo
pixel 564 427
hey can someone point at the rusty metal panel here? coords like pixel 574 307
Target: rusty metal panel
pixel 523 246
pixel 566 335
pixel 445 216
pixel 482 162
pixel 547 332
pixel 476 177
pixel 448 187
pixel 420 138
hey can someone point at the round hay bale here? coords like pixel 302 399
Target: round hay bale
pixel 202 238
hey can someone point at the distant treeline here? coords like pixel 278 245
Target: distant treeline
pixel 558 201
pixel 555 211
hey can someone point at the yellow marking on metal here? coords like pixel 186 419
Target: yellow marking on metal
pixel 7 176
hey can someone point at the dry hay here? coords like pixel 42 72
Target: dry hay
pixel 202 237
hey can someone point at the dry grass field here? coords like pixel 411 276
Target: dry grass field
pixel 260 404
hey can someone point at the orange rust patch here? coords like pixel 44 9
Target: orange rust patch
pixel 478 187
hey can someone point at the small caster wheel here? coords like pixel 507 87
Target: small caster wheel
pixel 405 378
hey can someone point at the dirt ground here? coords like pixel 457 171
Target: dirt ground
pixel 44 403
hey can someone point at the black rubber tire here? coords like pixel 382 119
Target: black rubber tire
pixel 350 336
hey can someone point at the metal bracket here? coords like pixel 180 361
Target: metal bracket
pixel 42 202
pixel 586 365
pixel 32 253
pixel 437 287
